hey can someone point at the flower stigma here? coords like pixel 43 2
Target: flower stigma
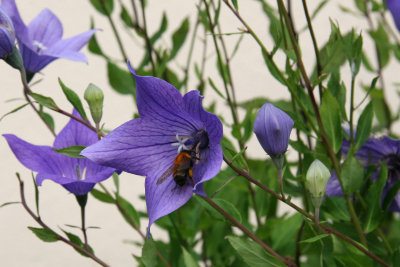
pixel 181 143
pixel 39 46
pixel 80 175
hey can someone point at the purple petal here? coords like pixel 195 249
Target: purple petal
pixel 33 62
pixel 79 188
pixel 75 133
pixel 7 42
pixel 10 8
pixel 212 123
pixel 164 198
pixel 394 8
pixel 36 158
pixel 162 103
pixel 45 28
pixel 333 188
pixel 205 170
pixel 377 149
pixel 138 146
pixel 69 48
pixel 272 127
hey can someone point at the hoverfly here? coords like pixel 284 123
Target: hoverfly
pixel 181 169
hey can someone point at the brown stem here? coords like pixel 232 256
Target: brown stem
pixel 247 231
pixel 246 175
pixel 59 237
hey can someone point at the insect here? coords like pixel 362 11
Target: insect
pixel 181 170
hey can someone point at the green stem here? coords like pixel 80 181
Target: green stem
pixel 82 200
pixel 115 31
pixel 147 39
pixel 247 231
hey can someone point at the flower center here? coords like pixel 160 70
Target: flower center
pixel 195 142
pixel 80 175
pixel 39 46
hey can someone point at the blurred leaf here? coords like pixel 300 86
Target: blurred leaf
pixel 116 181
pixel 252 253
pixel 390 195
pixel 77 241
pixel 381 109
pixel 273 71
pixel 126 17
pixel 215 88
pixel 179 37
pixel 364 125
pixel 318 9
pixel 348 255
pixel 284 231
pixel 315 238
pixel 149 253
pixel 103 197
pixel 45 235
pixel 229 208
pixel 352 173
pixel 373 199
pixel 48 119
pixel 9 203
pixel 331 119
pixel 235 4
pixel 230 151
pixel 93 45
pixel 188 259
pixel 121 80
pixel 73 98
pixel 130 211
pixel 106 8
pixel 382 42
pixel 71 151
pixel 46 101
pixel 14 110
pixel 163 27
pixel 335 208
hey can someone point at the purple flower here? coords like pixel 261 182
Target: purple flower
pixel 374 152
pixel 7 37
pixel 394 8
pixel 272 128
pixel 148 146
pixel 77 175
pixel 40 42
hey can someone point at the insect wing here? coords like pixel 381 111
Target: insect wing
pixel 165 175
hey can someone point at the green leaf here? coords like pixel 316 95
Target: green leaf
pixel 382 42
pixel 93 45
pixel 375 213
pixel 213 86
pixel 229 208
pixel 348 255
pixel 149 253
pixel 125 17
pixel 14 110
pixel 48 119
pixel 235 4
pixel 71 151
pixel 273 71
pixel 9 203
pixel 381 108
pixel 106 8
pixel 188 259
pixel 163 27
pixel 103 197
pixel 121 80
pixel 331 119
pixel 252 253
pixel 364 125
pixel 73 98
pixel 76 240
pixel 45 235
pixel 129 211
pixel 352 173
pixel 179 37
pixel 315 238
pixel 390 195
pixel 46 101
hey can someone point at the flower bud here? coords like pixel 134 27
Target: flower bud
pixel 316 179
pixel 7 35
pixel 394 8
pixel 94 97
pixel 272 128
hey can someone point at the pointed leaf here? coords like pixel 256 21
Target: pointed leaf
pixel 45 235
pixel 331 119
pixel 73 98
pixel 71 151
pixel 46 101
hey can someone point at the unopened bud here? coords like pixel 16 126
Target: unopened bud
pixel 316 179
pixel 94 97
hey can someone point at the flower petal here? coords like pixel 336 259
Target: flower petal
pixel 212 124
pixel 33 62
pixel 394 7
pixel 333 188
pixel 79 188
pixel 138 146
pixel 205 170
pixel 36 158
pixel 162 103
pixel 10 8
pixel 75 134
pixel 69 48
pixel 164 198
pixel 45 28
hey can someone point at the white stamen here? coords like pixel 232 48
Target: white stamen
pixel 180 144
pixel 39 45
